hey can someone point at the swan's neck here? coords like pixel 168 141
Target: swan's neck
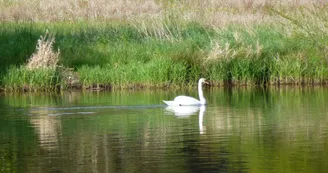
pixel 200 93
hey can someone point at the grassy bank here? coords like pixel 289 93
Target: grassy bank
pixel 288 47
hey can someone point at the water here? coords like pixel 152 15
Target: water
pixel 241 130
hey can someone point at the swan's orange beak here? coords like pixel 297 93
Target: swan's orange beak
pixel 205 82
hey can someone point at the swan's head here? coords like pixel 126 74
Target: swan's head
pixel 202 80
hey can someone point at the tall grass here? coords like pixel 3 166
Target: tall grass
pixel 40 71
pixel 210 12
pixel 172 49
pixel 157 73
pixel 23 79
pixel 265 56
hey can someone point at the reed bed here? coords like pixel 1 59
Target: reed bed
pixel 210 12
pixel 149 43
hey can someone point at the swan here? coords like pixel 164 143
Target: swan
pixel 189 101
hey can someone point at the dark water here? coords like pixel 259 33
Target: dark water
pixel 241 130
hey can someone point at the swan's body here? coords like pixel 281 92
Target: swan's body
pixel 189 101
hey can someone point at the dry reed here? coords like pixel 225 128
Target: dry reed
pixel 226 52
pixel 44 57
pixel 210 12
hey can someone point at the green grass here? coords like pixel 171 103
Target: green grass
pixel 125 55
pixel 22 79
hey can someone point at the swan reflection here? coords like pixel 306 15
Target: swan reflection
pixel 200 120
pixel 186 111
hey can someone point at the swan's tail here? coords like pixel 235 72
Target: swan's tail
pixel 169 103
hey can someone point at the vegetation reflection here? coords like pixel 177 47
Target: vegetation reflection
pixel 242 130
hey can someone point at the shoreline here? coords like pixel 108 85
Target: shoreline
pixel 139 87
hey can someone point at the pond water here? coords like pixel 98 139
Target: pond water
pixel 240 130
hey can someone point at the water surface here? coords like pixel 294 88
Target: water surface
pixel 241 130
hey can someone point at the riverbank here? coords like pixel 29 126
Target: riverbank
pixel 288 46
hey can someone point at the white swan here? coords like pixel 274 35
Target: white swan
pixel 189 101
